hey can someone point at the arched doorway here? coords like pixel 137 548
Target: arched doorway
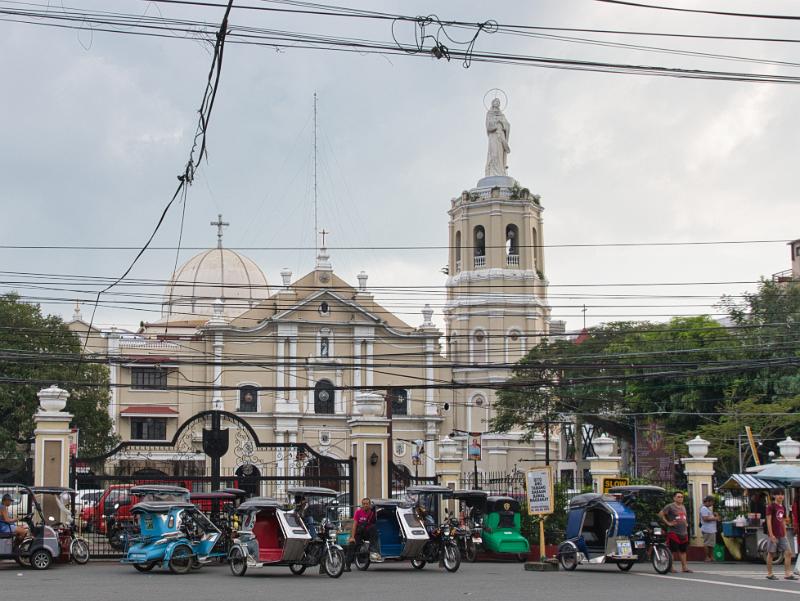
pixel 247 478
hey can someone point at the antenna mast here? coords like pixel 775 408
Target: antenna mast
pixel 316 227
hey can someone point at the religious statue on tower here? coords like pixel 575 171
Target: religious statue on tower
pixel 498 129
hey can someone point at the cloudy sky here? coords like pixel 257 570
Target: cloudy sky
pixel 95 127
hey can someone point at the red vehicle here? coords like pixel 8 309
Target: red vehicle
pixel 112 513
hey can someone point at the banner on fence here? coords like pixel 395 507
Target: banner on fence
pixel 539 490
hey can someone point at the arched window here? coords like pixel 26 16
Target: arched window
pixel 479 343
pixel 479 246
pixel 458 251
pixel 247 478
pixel 399 401
pixel 248 399
pixel 515 345
pixel 324 395
pixel 512 240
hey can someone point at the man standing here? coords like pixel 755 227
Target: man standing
pixel 708 526
pixel 674 516
pixel 776 529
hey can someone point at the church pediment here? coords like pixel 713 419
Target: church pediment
pixel 326 304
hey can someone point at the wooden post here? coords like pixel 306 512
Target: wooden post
pixel 542 552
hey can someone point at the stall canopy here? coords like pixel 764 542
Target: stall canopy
pixel 746 481
pixel 783 472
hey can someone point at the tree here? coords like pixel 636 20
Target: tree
pixel 36 348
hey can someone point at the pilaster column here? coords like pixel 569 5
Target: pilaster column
pixel 51 439
pixel 699 471
pixel 214 325
pixel 293 371
pixel 369 436
pixel 604 465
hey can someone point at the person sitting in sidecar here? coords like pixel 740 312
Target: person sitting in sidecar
pixel 7 521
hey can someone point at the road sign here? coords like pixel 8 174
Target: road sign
pixel 609 483
pixel 539 490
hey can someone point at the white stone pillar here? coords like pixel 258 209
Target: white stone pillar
pixel 293 371
pixel 357 364
pixel 699 471
pixel 51 438
pixel 370 355
pixel 603 465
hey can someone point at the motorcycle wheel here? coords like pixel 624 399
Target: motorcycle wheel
pixel 297 569
pixel 333 562
pixel 237 561
pixel 661 557
pixel 452 557
pixel 79 551
pixel 181 560
pixel 470 552
pixel 418 564
pixel 144 567
pixel 625 565
pixel 362 559
pixel 41 559
pixel 568 556
pixel 116 539
pixel 522 557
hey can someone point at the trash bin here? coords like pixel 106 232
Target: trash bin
pixel 719 552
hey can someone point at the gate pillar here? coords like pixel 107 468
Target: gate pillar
pixel 369 437
pixel 699 471
pixel 52 437
pixel 448 466
pixel 603 465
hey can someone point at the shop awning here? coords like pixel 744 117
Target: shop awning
pixel 148 411
pixel 742 481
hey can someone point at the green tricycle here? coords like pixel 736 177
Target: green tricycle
pixel 490 522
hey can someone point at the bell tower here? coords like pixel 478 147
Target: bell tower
pixel 496 287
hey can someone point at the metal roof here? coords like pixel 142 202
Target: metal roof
pixel 161 506
pixel 750 482
pixel 259 503
pixel 312 490
pixel 429 488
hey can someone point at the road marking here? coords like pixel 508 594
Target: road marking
pixel 734 584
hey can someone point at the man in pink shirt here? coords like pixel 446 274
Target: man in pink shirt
pixel 364 528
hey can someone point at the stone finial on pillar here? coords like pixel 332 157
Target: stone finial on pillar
pixel 427 318
pixel 51 438
pixel 790 450
pixel 362 281
pixel 286 277
pixel 699 470
pixel 603 465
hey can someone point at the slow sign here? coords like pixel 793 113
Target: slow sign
pixel 609 483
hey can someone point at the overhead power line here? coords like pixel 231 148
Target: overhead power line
pixel 703 11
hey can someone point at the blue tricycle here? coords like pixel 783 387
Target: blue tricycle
pixel 175 535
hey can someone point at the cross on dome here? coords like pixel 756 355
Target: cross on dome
pixel 324 233
pixel 220 224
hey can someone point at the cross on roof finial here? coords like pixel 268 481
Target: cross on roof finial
pixel 220 224
pixel 324 233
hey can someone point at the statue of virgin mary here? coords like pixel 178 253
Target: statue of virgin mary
pixel 498 129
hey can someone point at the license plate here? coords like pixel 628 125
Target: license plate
pixel 138 557
pixel 624 547
pixel 477 539
pixel 639 544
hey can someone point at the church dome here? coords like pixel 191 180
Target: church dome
pixel 212 274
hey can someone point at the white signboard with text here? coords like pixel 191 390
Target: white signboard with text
pixel 539 489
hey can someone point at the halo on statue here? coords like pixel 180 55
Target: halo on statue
pixel 495 93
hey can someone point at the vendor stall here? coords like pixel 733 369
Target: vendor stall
pixel 747 496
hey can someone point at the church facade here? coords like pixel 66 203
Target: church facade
pixel 297 359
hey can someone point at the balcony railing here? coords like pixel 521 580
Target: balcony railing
pixel 480 261
pixel 512 260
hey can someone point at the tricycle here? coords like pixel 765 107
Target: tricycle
pixel 41 545
pixel 270 535
pixel 173 534
pixel 58 505
pixel 600 529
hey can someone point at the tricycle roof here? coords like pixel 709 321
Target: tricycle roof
pixel 636 488
pixel 162 489
pixel 466 494
pixel 257 503
pixel 160 506
pixel 390 503
pixel 205 496
pixel 53 490
pixel 429 488
pixel 312 490
pixel 588 498
pixel 238 492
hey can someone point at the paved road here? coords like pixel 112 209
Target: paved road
pixel 107 581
